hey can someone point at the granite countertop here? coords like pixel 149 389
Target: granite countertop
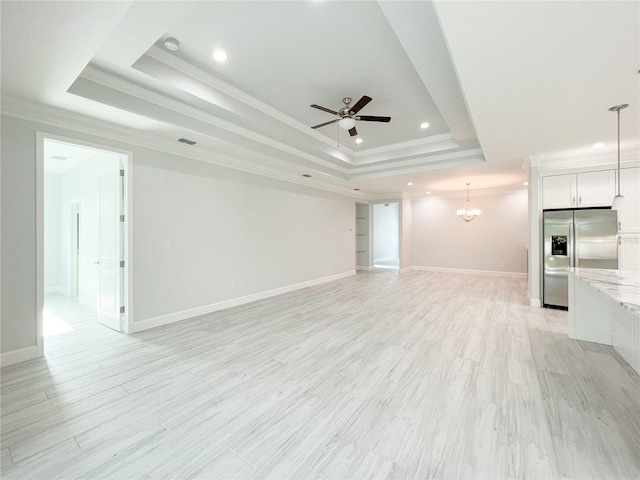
pixel 623 286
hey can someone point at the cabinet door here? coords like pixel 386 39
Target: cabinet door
pixel 629 215
pixel 596 189
pixel 559 191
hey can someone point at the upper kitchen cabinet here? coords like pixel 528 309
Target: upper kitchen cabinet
pixel 559 191
pixel 581 190
pixel 629 214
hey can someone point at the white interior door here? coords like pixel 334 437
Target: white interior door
pixel 74 248
pixel 109 248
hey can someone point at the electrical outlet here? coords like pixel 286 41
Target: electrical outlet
pixel 246 284
pixel 501 264
pixel 233 286
pixel 167 247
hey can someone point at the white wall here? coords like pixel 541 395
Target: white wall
pixel 18 201
pixel 224 227
pixel 386 231
pixel 499 235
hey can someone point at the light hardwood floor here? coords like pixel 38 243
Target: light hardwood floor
pixel 418 375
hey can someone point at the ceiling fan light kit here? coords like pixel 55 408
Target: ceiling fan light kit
pixel 347 123
pixel 347 115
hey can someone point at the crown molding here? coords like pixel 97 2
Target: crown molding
pixel 483 192
pixel 532 161
pixel 75 122
pixel 435 142
pixel 628 158
pixel 385 197
pixel 474 153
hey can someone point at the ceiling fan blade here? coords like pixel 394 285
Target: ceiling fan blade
pixel 324 109
pixel 369 118
pixel 360 103
pixel 327 123
pixel 353 132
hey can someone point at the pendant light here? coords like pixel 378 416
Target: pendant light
pixel 468 213
pixel 618 200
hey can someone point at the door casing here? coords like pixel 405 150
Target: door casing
pixel 127 250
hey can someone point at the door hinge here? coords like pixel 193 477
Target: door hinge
pixel 122 173
pixel 121 309
pixel 122 218
pixel 122 263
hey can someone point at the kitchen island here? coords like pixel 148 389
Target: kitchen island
pixel 604 307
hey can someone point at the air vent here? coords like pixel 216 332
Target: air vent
pixel 187 141
pixel 57 157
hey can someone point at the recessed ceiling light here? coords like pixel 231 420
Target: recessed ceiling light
pixel 410 183
pixel 219 55
pixel 428 193
pixel 598 145
pixel 171 44
pixel 424 125
pixel 525 183
pixel 358 141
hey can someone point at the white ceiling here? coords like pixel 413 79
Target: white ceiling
pixel 497 82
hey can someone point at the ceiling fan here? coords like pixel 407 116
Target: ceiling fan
pixel 347 115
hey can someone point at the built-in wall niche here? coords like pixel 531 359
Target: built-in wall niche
pixel 362 243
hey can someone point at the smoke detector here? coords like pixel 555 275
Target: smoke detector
pixel 171 44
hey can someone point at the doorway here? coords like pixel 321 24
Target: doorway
pixel 386 235
pixel 83 239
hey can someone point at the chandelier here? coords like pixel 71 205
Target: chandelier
pixel 468 213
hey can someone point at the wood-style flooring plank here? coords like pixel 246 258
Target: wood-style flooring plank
pixel 419 375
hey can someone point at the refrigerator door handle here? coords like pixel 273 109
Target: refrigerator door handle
pixel 573 258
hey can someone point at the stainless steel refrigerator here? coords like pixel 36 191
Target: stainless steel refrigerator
pixel 585 238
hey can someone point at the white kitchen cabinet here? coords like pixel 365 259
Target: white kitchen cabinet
pixel 596 189
pixel 629 215
pixel 582 190
pixel 559 191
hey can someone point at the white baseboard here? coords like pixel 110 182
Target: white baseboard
pixel 18 356
pixel 471 272
pixel 234 302
pixel 406 269
pixel 534 302
pixel 56 289
pixel 602 338
pixel 364 267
